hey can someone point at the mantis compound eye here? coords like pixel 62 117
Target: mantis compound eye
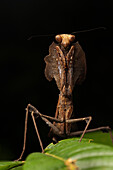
pixel 72 38
pixel 58 38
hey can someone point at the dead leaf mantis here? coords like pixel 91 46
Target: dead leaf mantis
pixel 66 63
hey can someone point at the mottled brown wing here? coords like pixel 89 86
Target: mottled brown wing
pixel 79 65
pixel 51 69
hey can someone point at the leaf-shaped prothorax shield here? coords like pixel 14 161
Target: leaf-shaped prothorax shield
pixel 66 62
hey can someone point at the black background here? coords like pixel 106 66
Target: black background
pixel 22 66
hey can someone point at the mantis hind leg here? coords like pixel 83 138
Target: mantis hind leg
pixel 25 132
pixel 45 118
pixel 88 120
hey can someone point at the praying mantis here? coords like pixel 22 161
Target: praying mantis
pixel 66 63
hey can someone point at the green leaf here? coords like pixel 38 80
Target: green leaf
pixel 70 154
pixel 17 168
pixel 100 137
pixel 9 165
pixel 42 161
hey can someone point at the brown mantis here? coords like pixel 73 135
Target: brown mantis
pixel 66 63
